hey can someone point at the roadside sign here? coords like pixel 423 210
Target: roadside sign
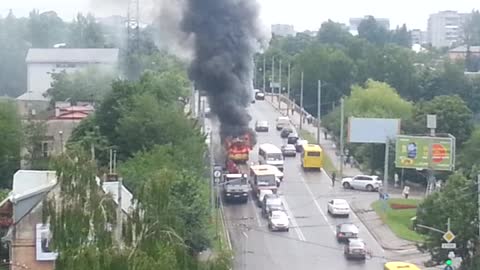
pixel 449 236
pixel 217 174
pixel 449 245
pixel 451 255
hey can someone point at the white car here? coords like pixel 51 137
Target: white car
pixel 278 221
pixel 365 182
pixel 262 194
pixel 338 207
pixel 278 174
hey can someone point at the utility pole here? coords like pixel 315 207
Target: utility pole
pixel 264 73
pixel 279 83
pixel 288 90
pixel 273 76
pixel 432 125
pixel 254 74
pixel 301 101
pixel 342 112
pixel 119 202
pixel 212 195
pixel 385 168
pixel 319 112
pixel 478 194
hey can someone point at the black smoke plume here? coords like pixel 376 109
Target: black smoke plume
pixel 226 36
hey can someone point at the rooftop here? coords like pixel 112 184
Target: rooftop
pixel 68 55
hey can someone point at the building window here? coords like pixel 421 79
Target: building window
pixel 45 149
pixel 65 65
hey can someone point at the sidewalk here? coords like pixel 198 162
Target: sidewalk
pixel 395 247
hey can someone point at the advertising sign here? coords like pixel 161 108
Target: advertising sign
pixel 372 130
pixel 43 238
pixel 412 152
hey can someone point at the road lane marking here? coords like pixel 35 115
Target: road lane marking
pixel 255 210
pixel 297 229
pixel 318 206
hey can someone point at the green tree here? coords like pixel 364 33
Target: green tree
pixel 10 144
pixel 456 201
pixel 470 151
pixel 90 85
pixel 45 29
pixel 401 36
pixel 375 100
pixel 36 156
pixel 370 30
pixel 334 33
pixel 332 66
pixel 85 32
pixel 13 48
pixel 453 116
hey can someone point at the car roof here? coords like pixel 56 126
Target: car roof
pixel 339 201
pixel 364 175
pixel 348 227
pixel 279 212
pixel 266 191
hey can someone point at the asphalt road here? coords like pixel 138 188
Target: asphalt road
pixel 311 242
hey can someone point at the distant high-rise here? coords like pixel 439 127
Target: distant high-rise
pixel 418 36
pixel 355 22
pixel 283 30
pixel 445 28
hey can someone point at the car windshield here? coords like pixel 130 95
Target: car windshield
pixel 236 181
pixel 348 228
pixel 274 156
pixel 274 202
pixel 266 180
pixel 278 216
pixel 289 147
pixel 340 203
pixel 357 244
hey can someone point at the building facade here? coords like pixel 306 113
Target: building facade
pixel 283 30
pixel 445 28
pixel 41 63
pixel 418 36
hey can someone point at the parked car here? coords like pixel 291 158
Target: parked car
pixel 286 131
pixel 259 95
pixel 365 182
pixel 261 126
pixel 278 221
pixel 346 231
pixel 338 207
pixel 292 138
pixel 281 122
pixel 299 145
pixel 355 249
pixel 289 150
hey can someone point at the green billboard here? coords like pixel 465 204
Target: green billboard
pixel 412 152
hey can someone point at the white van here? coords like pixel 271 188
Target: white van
pixel 271 155
pixel 282 122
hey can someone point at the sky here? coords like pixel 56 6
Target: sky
pixel 303 14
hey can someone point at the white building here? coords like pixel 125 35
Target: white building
pixel 445 28
pixel 283 30
pixel 41 63
pixel 418 36
pixel 355 22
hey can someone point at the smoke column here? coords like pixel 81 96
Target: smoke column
pixel 226 36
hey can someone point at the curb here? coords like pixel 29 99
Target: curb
pixel 359 214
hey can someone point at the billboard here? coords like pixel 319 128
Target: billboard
pixel 43 238
pixel 372 130
pixel 412 152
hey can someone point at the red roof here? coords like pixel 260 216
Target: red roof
pixel 72 115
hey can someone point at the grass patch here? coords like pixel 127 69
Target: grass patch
pixel 217 233
pixel 399 220
pixel 328 165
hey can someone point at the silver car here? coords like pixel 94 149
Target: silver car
pixel 289 150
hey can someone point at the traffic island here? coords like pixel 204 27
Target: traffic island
pixel 397 214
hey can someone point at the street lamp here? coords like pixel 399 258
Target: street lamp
pixel 61 140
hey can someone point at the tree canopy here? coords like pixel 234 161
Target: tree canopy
pixel 11 135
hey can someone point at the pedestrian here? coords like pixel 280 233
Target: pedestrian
pixel 333 179
pixel 406 191
pixel 325 135
pixel 345 160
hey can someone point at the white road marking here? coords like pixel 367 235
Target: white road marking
pixel 255 210
pixel 332 228
pixel 297 229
